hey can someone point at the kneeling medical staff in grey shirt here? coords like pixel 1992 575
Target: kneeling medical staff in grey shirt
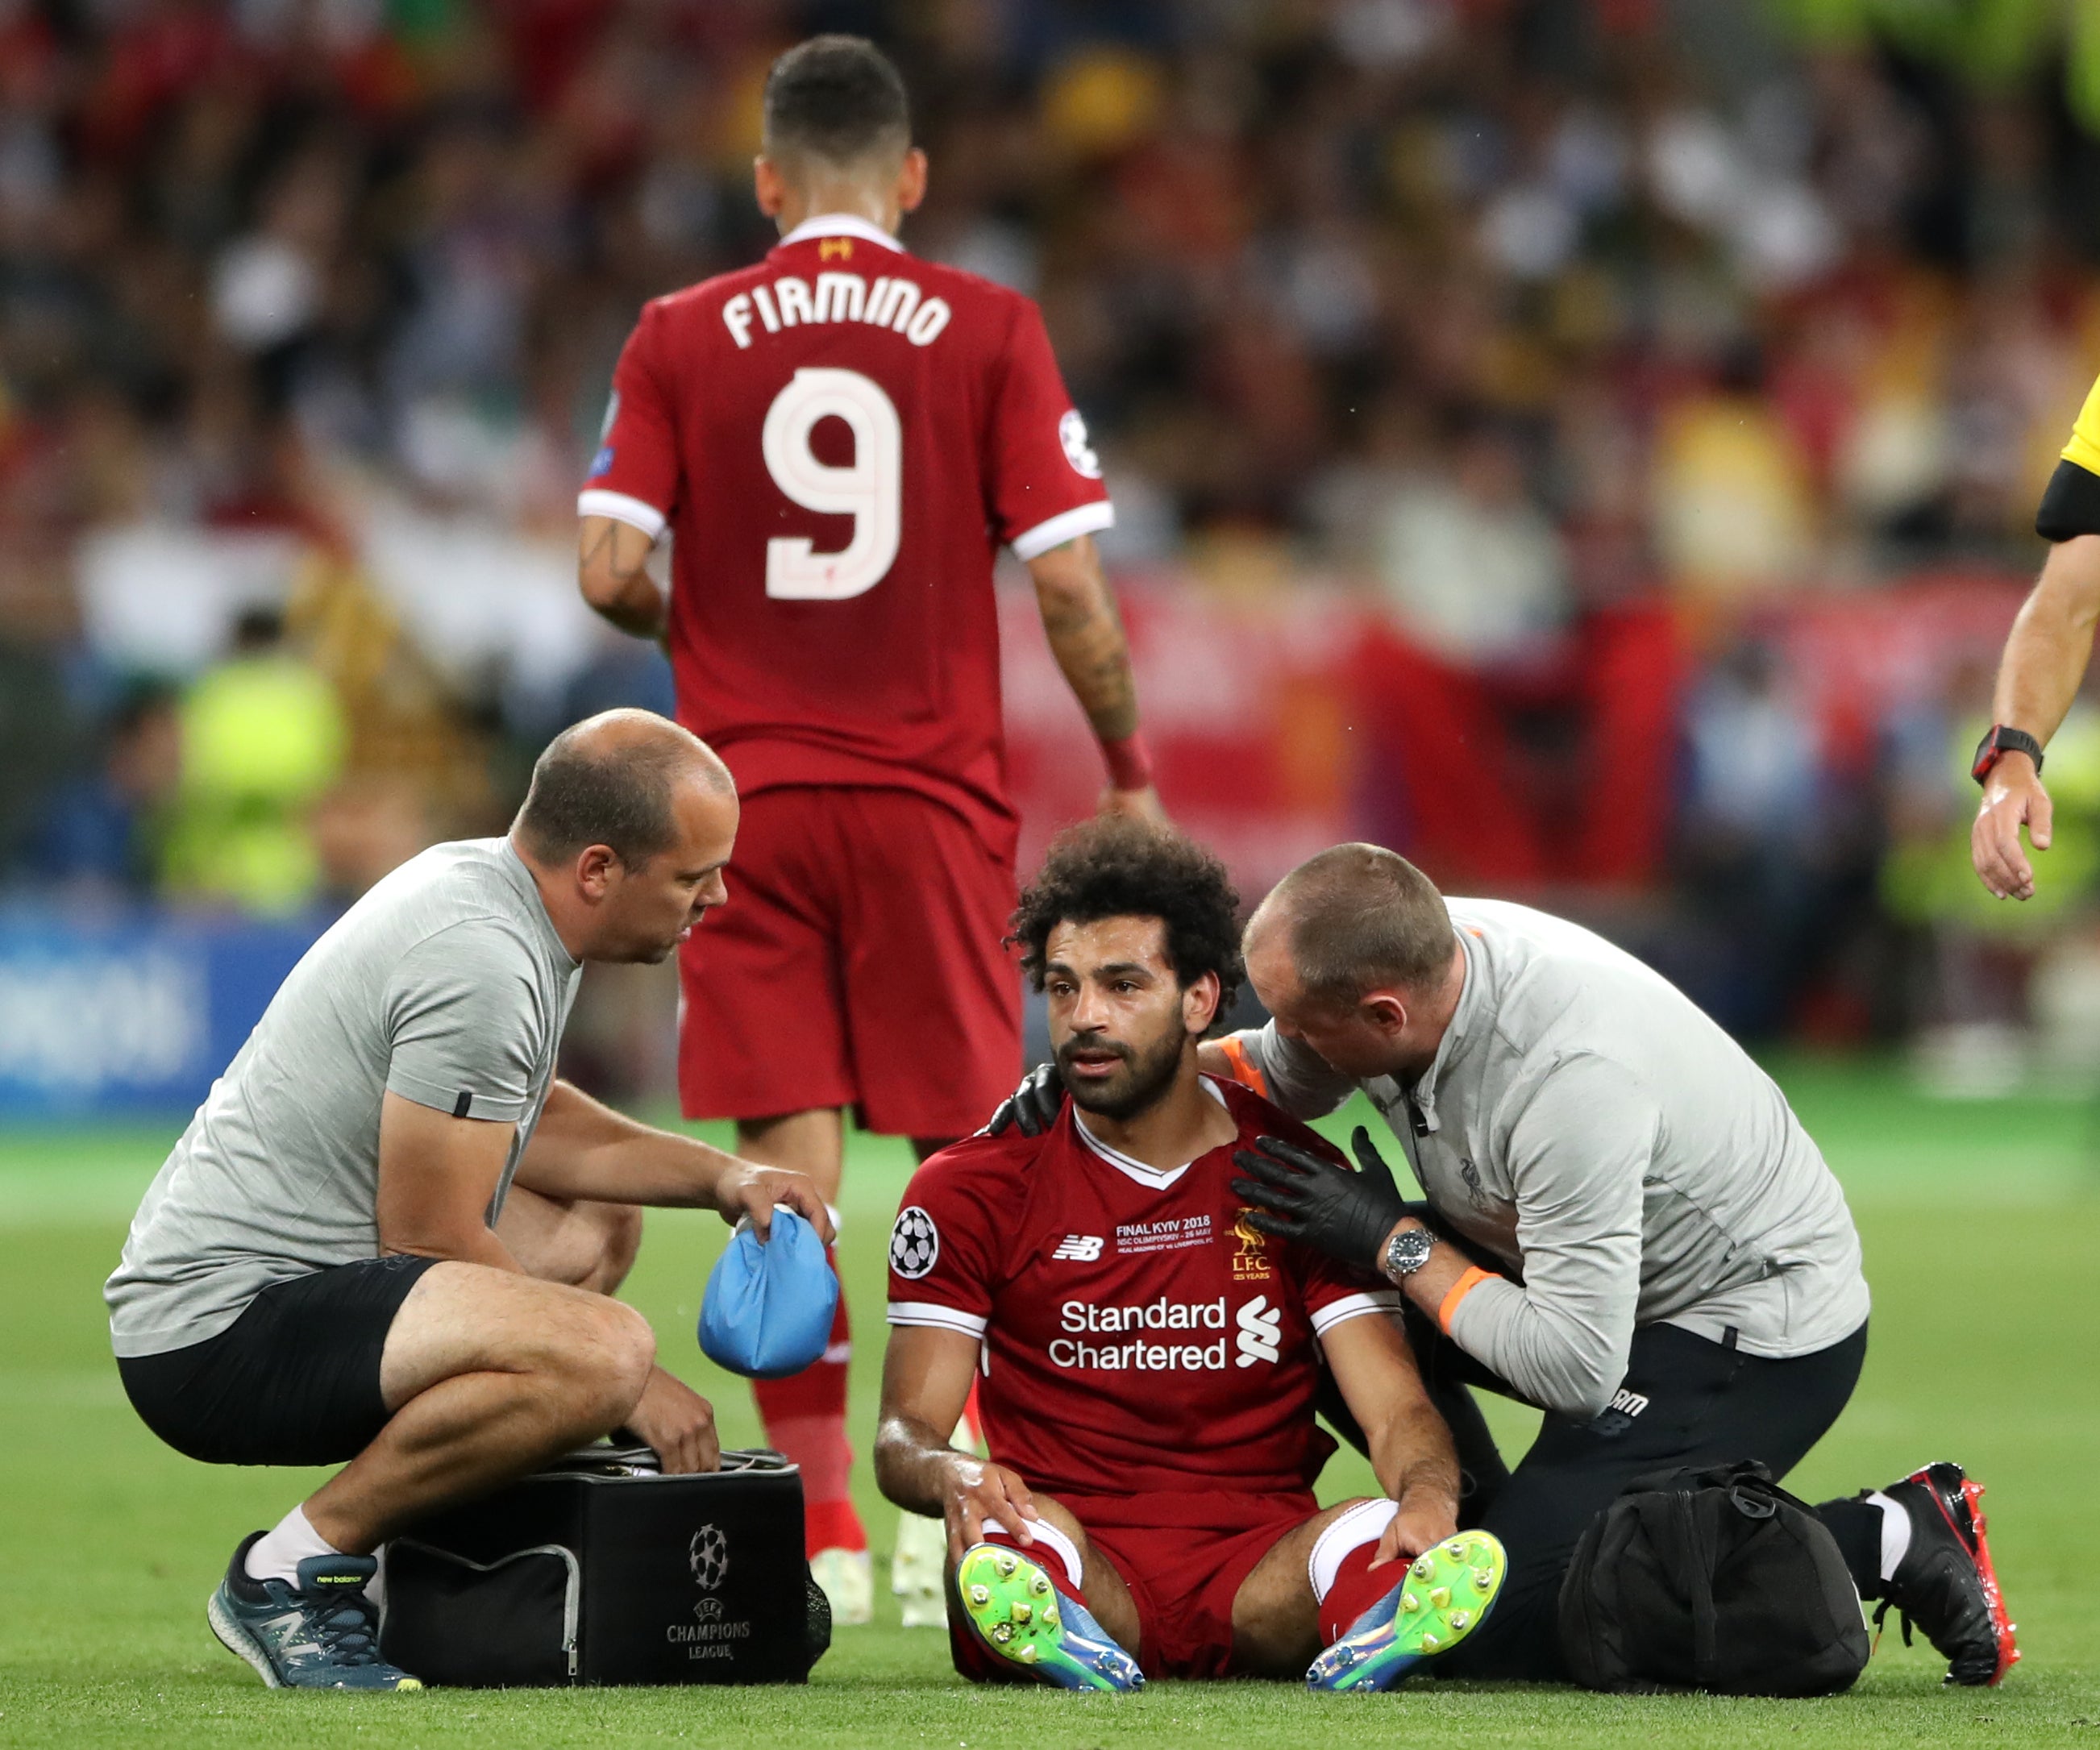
pixel 388 1238
pixel 1580 1123
pixel 1626 1227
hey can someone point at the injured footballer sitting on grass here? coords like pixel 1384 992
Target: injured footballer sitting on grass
pixel 1149 1361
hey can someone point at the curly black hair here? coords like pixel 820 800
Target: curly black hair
pixel 1114 867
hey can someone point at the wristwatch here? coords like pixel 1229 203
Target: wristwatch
pixel 2000 742
pixel 1407 1251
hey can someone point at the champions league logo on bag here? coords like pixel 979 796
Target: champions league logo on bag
pixel 707 1556
pixel 710 1634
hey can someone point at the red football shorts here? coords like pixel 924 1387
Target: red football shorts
pixel 859 962
pixel 1184 1557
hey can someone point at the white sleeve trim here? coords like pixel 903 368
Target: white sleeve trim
pixel 1086 519
pixel 598 502
pixel 1354 1306
pixel 932 1312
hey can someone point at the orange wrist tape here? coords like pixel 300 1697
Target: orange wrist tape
pixel 1474 1276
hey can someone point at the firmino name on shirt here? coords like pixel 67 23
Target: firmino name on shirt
pixel 790 301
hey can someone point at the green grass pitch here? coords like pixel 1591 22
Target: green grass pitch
pixel 1983 1233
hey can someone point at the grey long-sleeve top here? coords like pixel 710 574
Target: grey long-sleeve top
pixel 1620 1158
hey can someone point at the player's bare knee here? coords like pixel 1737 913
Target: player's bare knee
pixel 1056 1512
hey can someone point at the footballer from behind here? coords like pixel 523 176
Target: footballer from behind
pixel 839 439
pixel 1146 1360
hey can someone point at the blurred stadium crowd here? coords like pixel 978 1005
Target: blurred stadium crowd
pixel 1641 371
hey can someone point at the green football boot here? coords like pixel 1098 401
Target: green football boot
pixel 1017 1615
pixel 1445 1594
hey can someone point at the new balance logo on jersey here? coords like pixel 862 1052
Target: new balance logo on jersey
pixel 1261 1332
pixel 1079 1248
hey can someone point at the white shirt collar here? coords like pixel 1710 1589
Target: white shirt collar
pixel 1152 1178
pixel 842 225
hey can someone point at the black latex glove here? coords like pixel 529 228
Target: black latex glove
pixel 1297 1195
pixel 1034 1106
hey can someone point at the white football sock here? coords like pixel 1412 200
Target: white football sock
pixel 276 1555
pixel 1363 1523
pixel 1048 1536
pixel 1895 1532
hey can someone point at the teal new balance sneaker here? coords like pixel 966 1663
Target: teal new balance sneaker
pixel 321 1633
pixel 1444 1595
pixel 1012 1608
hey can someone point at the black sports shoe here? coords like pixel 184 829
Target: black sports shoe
pixel 1945 1583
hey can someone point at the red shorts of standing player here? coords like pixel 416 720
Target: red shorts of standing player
pixel 1146 1359
pixel 838 441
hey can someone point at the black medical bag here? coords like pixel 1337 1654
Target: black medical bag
pixel 600 1570
pixel 1713 1579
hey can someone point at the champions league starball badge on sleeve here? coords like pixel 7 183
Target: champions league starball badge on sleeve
pixel 914 1243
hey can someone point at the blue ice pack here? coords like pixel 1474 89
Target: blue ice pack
pixel 767 1313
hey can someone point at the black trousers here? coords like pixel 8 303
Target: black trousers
pixel 1685 1401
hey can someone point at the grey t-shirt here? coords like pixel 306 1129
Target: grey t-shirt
pixel 1620 1158
pixel 447 984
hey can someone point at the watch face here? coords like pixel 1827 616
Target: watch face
pixel 1407 1253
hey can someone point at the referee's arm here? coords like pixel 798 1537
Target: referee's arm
pixel 2038 678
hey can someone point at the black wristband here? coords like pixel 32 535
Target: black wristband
pixel 1997 743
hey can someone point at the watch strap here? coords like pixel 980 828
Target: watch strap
pixel 1405 1254
pixel 2002 740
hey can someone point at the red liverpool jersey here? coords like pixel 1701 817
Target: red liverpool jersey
pixel 1137 1334
pixel 839 439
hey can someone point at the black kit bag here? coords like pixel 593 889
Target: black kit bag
pixel 601 1570
pixel 1714 1580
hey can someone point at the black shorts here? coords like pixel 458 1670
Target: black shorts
pixel 294 1381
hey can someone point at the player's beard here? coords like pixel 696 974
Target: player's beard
pixel 1140 1084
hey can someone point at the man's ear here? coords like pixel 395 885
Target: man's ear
pixel 912 181
pixel 594 871
pixel 1199 1004
pixel 768 185
pixel 1386 1010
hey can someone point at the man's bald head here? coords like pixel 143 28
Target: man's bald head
pixel 1355 920
pixel 613 780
